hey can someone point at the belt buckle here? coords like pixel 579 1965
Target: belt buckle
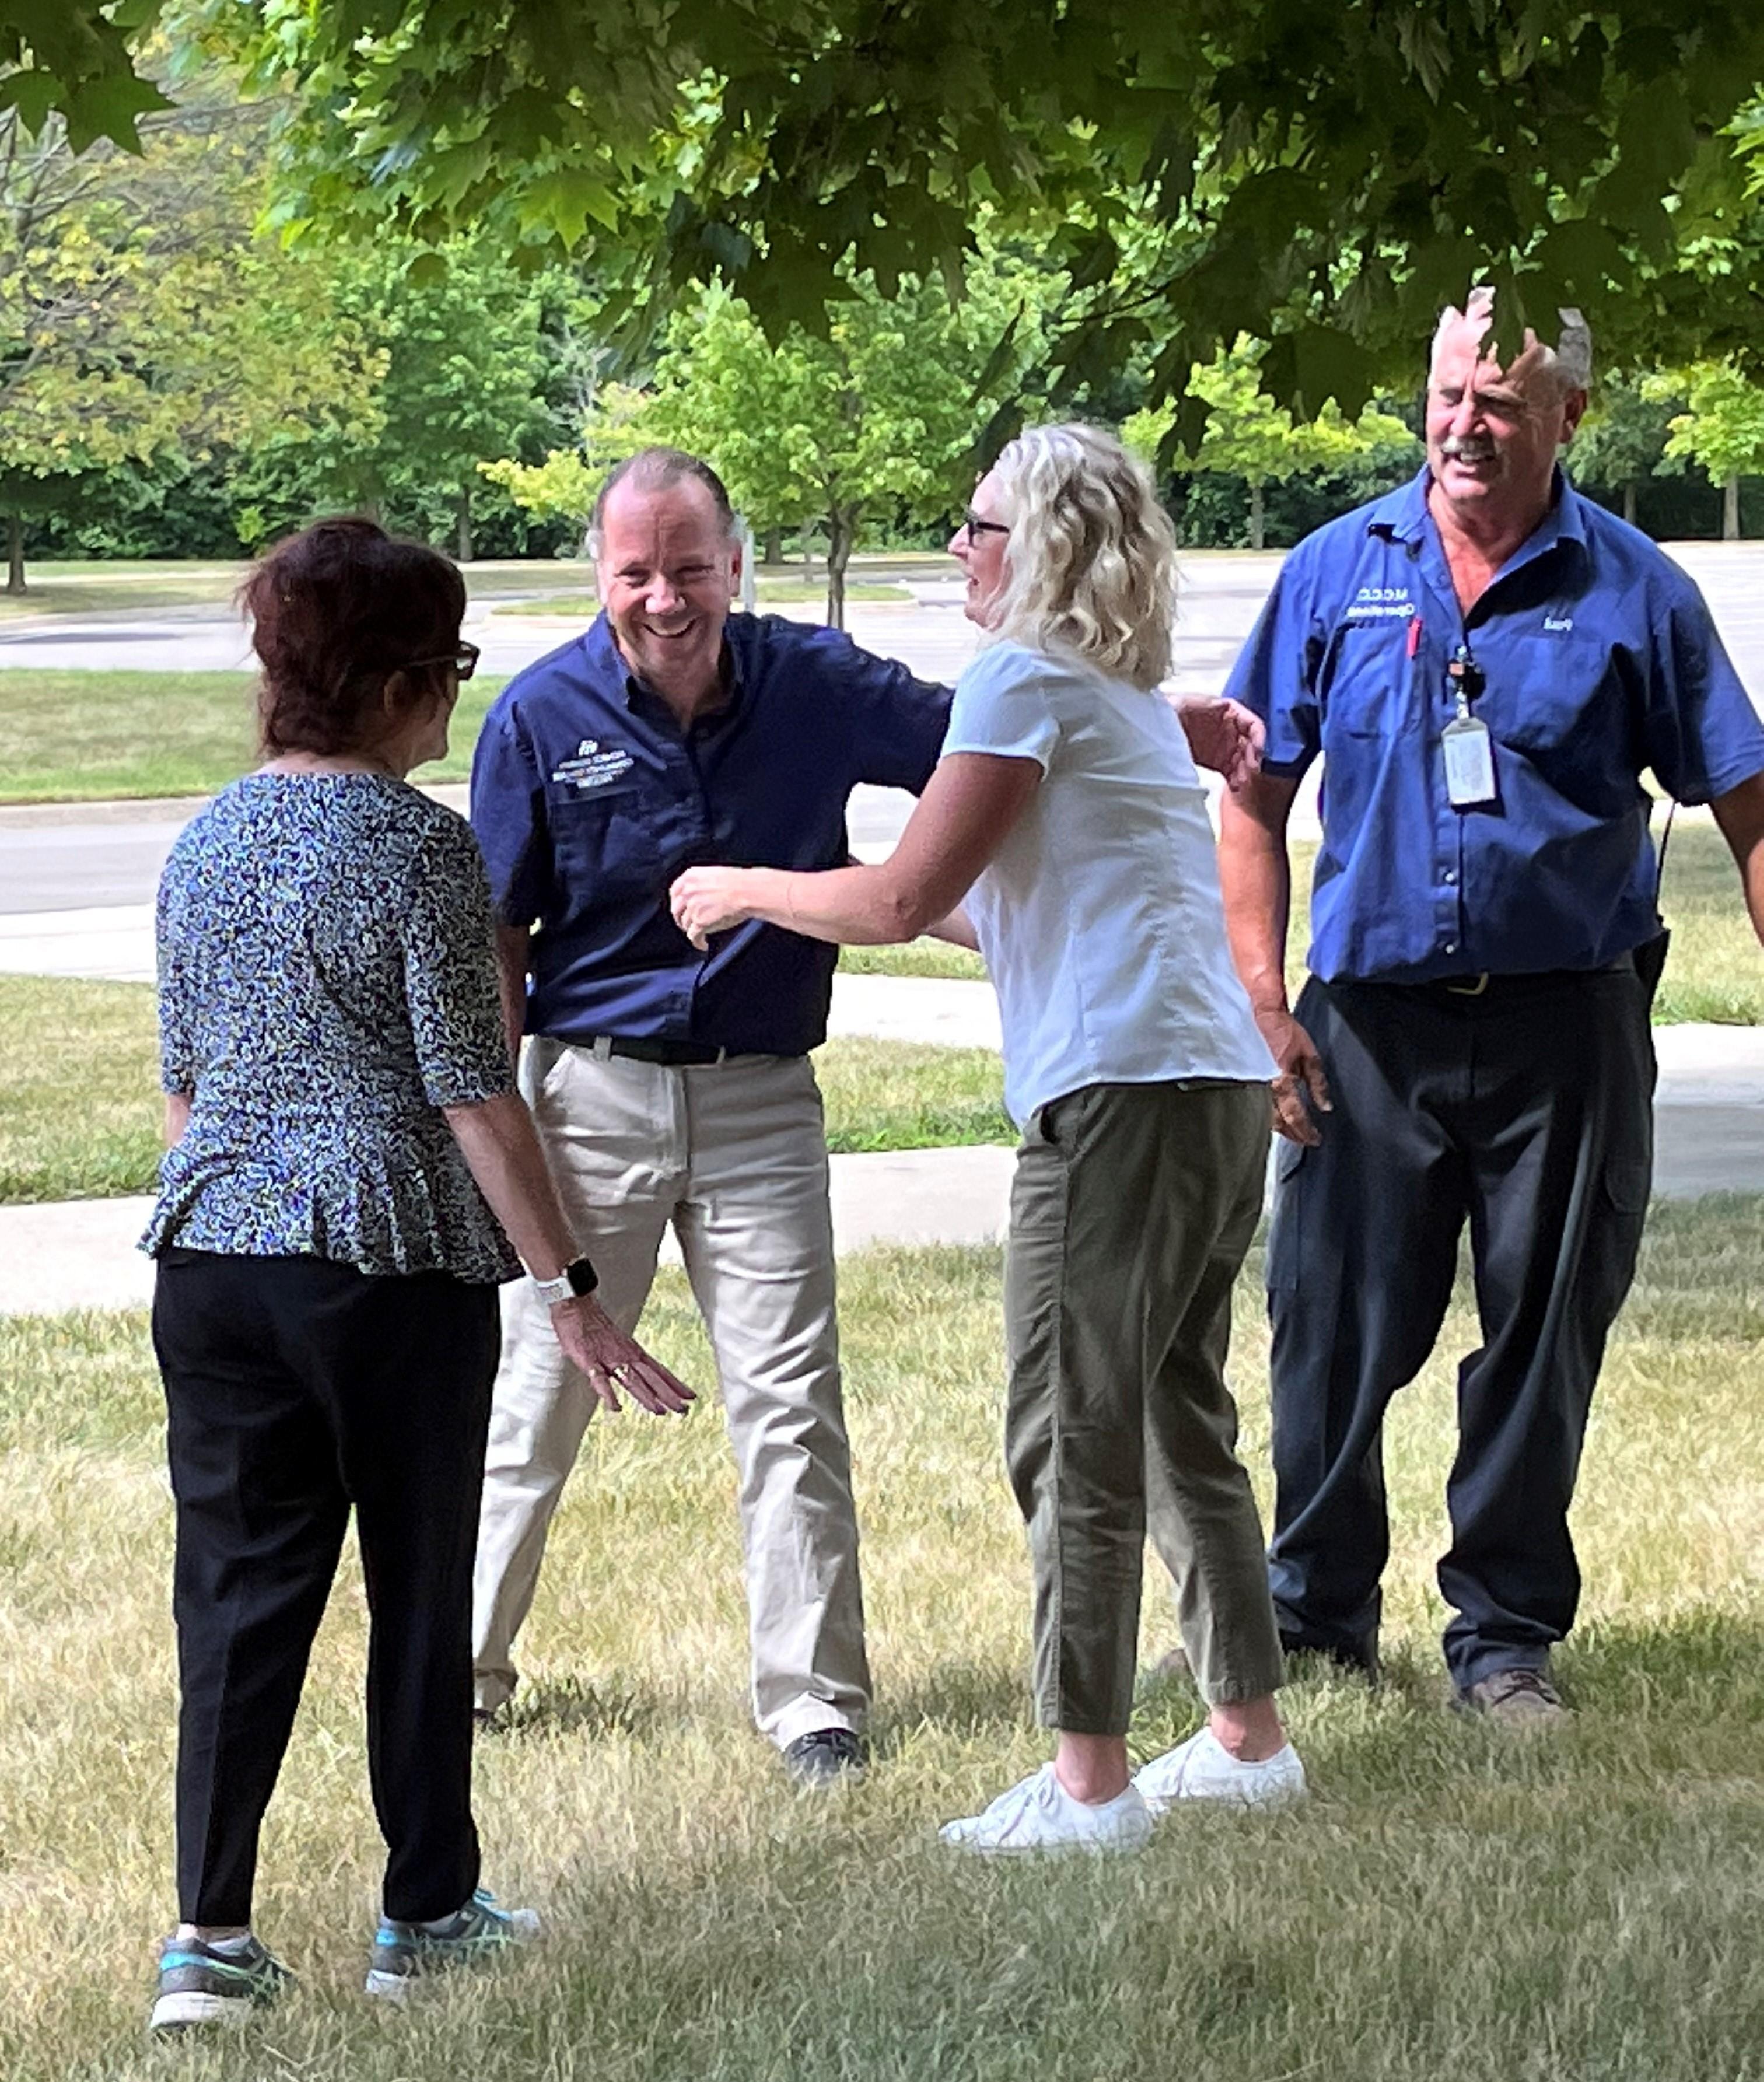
pixel 1470 989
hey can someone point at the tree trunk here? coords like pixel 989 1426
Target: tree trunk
pixel 1629 502
pixel 15 552
pixel 1730 509
pixel 808 548
pixel 1256 516
pixel 774 545
pixel 841 533
pixel 464 525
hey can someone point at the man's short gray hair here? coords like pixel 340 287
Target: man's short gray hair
pixel 1570 361
pixel 659 470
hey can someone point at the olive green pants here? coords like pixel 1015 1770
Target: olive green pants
pixel 1131 1209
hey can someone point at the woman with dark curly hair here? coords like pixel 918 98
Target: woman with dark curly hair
pixel 350 1175
pixel 1067 800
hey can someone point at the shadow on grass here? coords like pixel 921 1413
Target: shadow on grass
pixel 593 1707
pixel 964 1700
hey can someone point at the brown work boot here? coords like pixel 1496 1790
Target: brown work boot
pixel 1516 1698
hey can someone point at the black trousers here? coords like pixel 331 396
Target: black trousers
pixel 294 1389
pixel 1526 1112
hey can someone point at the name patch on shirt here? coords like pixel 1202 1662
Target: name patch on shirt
pixel 593 765
pixel 1381 604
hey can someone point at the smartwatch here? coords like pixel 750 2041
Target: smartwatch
pixel 578 1277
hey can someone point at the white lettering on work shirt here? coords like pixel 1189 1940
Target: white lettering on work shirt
pixel 593 765
pixel 1382 604
pixel 1559 625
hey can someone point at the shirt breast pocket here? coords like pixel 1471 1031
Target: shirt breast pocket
pixel 1562 701
pixel 600 841
pixel 1371 695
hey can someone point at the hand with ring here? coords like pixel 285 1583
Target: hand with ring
pixel 609 1360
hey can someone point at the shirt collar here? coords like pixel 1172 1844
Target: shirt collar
pixel 1402 516
pixel 605 654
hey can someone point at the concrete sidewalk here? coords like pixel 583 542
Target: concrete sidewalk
pixel 1709 1130
pixel 1709 1118
pixel 81 1254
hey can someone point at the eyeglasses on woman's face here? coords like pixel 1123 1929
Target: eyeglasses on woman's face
pixel 464 661
pixel 976 526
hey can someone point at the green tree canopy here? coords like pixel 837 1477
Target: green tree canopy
pixel 139 314
pixel 1721 430
pixel 1249 437
pixel 1324 178
pixel 1622 441
pixel 76 60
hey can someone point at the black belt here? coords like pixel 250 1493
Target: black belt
pixel 676 1053
pixel 1486 985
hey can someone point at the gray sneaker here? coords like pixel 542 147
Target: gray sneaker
pixel 202 1985
pixel 1519 1697
pixel 478 1935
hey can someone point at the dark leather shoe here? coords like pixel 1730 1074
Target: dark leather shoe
pixel 829 1757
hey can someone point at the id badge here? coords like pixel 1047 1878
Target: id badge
pixel 1469 754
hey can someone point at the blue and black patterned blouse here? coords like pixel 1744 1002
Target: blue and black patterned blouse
pixel 327 983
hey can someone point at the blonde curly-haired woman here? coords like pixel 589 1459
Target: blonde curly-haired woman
pixel 1067 811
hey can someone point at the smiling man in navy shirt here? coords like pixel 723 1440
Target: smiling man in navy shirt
pixel 670 1085
pixel 1486 662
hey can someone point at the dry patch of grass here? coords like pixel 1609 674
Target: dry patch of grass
pixel 1447 1903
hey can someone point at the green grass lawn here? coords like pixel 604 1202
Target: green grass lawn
pixel 1715 970
pixel 89 737
pixel 1449 1904
pixel 65 1134
pixel 918 957
pixel 89 588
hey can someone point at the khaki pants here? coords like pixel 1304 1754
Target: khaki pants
pixel 1131 1209
pixel 734 1155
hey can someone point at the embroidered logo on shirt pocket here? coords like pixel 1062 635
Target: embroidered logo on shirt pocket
pixel 600 841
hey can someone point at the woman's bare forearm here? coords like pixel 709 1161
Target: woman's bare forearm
pixel 501 1146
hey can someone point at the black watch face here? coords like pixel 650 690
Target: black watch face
pixel 581 1276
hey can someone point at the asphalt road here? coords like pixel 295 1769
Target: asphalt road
pixel 98 856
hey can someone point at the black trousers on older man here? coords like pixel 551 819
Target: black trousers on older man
pixel 1524 1108
pixel 296 1388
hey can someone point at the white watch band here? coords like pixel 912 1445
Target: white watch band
pixel 552 1291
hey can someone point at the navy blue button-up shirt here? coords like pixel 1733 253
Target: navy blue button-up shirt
pixel 1599 660
pixel 588 799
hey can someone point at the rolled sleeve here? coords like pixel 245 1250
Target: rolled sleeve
pixel 1002 708
pixel 450 979
pixel 508 816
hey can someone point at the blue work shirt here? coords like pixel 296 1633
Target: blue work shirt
pixel 588 798
pixel 1599 660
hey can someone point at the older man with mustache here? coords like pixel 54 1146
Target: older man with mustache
pixel 1486 662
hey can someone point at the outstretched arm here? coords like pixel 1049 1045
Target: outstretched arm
pixel 1224 735
pixel 967 809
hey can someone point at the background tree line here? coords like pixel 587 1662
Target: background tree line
pixel 190 365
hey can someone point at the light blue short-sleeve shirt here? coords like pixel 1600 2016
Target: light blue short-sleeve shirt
pixel 1100 916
